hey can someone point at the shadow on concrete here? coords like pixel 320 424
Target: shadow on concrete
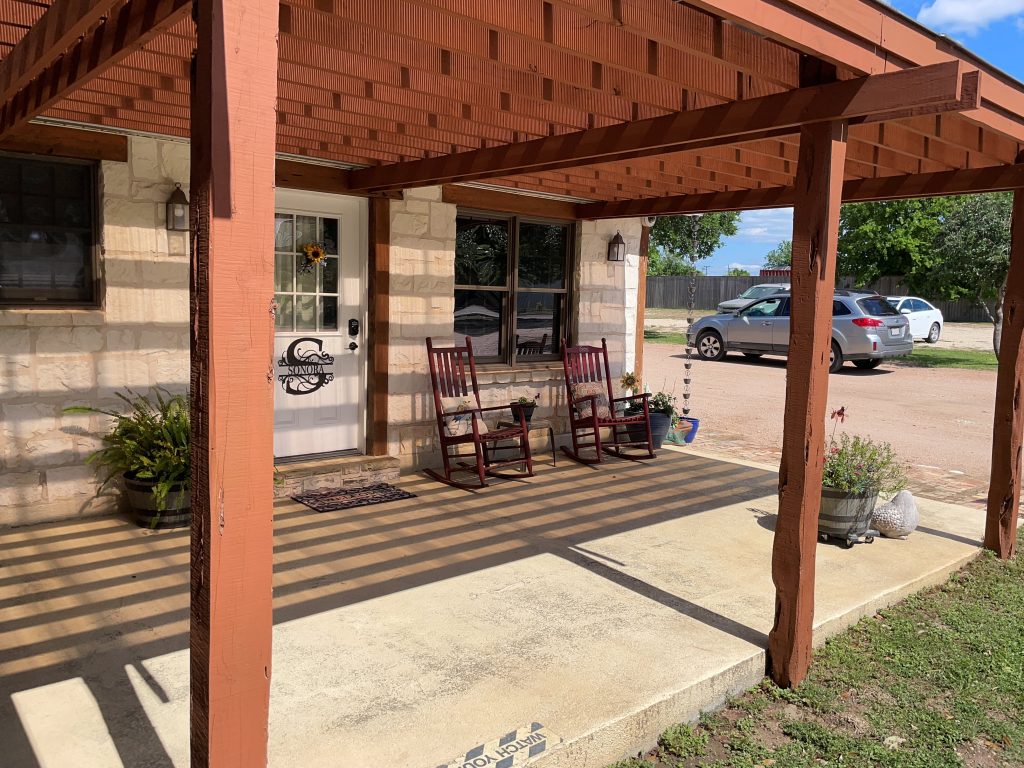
pixel 89 599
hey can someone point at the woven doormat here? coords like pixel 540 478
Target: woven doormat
pixel 333 499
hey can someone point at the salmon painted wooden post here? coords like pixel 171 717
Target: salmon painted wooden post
pixel 232 325
pixel 819 183
pixel 1008 423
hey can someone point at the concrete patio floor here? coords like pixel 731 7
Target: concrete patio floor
pixel 600 603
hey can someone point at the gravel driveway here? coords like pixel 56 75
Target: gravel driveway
pixel 938 420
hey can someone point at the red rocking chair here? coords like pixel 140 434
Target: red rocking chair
pixel 592 407
pixel 460 421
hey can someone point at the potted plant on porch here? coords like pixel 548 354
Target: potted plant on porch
pixel 856 471
pixel 148 448
pixel 525 404
pixel 661 408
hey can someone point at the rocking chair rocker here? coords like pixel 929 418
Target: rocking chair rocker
pixel 460 421
pixel 592 407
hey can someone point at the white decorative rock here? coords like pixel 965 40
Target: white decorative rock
pixel 898 518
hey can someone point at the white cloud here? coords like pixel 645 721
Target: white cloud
pixel 768 226
pixel 968 16
pixel 752 268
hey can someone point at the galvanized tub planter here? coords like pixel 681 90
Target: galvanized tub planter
pixel 176 514
pixel 846 516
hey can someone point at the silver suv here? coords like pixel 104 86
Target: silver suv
pixel 866 329
pixel 752 294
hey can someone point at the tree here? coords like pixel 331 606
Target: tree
pixel 971 254
pixel 780 256
pixel 737 272
pixel 889 238
pixel 681 241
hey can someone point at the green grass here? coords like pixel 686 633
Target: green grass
pixel 931 357
pixel 664 337
pixel 936 681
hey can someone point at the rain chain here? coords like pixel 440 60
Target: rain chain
pixel 691 304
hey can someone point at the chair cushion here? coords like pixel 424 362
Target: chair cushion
pixel 457 420
pixel 582 389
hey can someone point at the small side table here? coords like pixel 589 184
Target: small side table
pixel 531 426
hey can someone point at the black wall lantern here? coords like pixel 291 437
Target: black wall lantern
pixel 177 211
pixel 617 248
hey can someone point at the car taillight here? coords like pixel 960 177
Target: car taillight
pixel 867 322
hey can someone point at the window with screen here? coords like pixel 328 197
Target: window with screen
pixel 512 286
pixel 47 232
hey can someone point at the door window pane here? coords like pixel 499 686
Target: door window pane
pixel 285 311
pixel 284 272
pixel 46 232
pixel 306 231
pixel 330 235
pixel 328 275
pixel 283 233
pixel 481 251
pixel 305 313
pixel 480 315
pixel 538 324
pixel 542 255
pixel 305 281
pixel 328 313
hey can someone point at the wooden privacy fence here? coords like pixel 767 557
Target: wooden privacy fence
pixel 673 293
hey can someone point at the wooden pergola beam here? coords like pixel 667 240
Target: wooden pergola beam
pixel 815 237
pixel 137 22
pixel 1008 418
pixel 997 178
pixel 868 37
pixel 56 30
pixel 234 100
pixel 938 88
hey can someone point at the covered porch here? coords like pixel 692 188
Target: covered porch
pixel 600 604
pixel 627 108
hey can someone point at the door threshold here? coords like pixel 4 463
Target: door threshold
pixel 316 456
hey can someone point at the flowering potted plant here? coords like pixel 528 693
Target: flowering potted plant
pixel 661 408
pixel 524 404
pixel 856 470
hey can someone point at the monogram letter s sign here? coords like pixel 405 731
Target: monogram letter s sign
pixel 303 367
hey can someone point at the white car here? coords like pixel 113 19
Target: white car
pixel 925 320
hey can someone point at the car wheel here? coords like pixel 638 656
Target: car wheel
pixel 933 333
pixel 710 346
pixel 835 360
pixel 867 365
pixel 752 355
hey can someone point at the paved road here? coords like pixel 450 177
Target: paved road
pixel 938 420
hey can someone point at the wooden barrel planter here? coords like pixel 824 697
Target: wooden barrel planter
pixel 176 514
pixel 846 516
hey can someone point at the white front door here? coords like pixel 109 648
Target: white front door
pixel 319 354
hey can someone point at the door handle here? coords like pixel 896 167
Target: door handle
pixel 766 323
pixel 353 346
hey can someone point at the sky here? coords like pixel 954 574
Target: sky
pixel 992 29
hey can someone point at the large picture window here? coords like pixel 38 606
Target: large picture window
pixel 512 286
pixel 47 232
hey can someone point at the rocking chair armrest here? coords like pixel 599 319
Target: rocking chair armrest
pixel 591 398
pixel 641 396
pixel 493 408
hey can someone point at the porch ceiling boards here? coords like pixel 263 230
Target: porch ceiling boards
pixel 398 80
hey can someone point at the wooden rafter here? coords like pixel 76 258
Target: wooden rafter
pixel 63 23
pixel 136 22
pixel 938 88
pixel 996 178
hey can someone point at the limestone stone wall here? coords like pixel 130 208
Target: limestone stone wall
pixel 607 291
pixel 51 359
pixel 423 304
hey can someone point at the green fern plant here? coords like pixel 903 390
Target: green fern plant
pixel 148 442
